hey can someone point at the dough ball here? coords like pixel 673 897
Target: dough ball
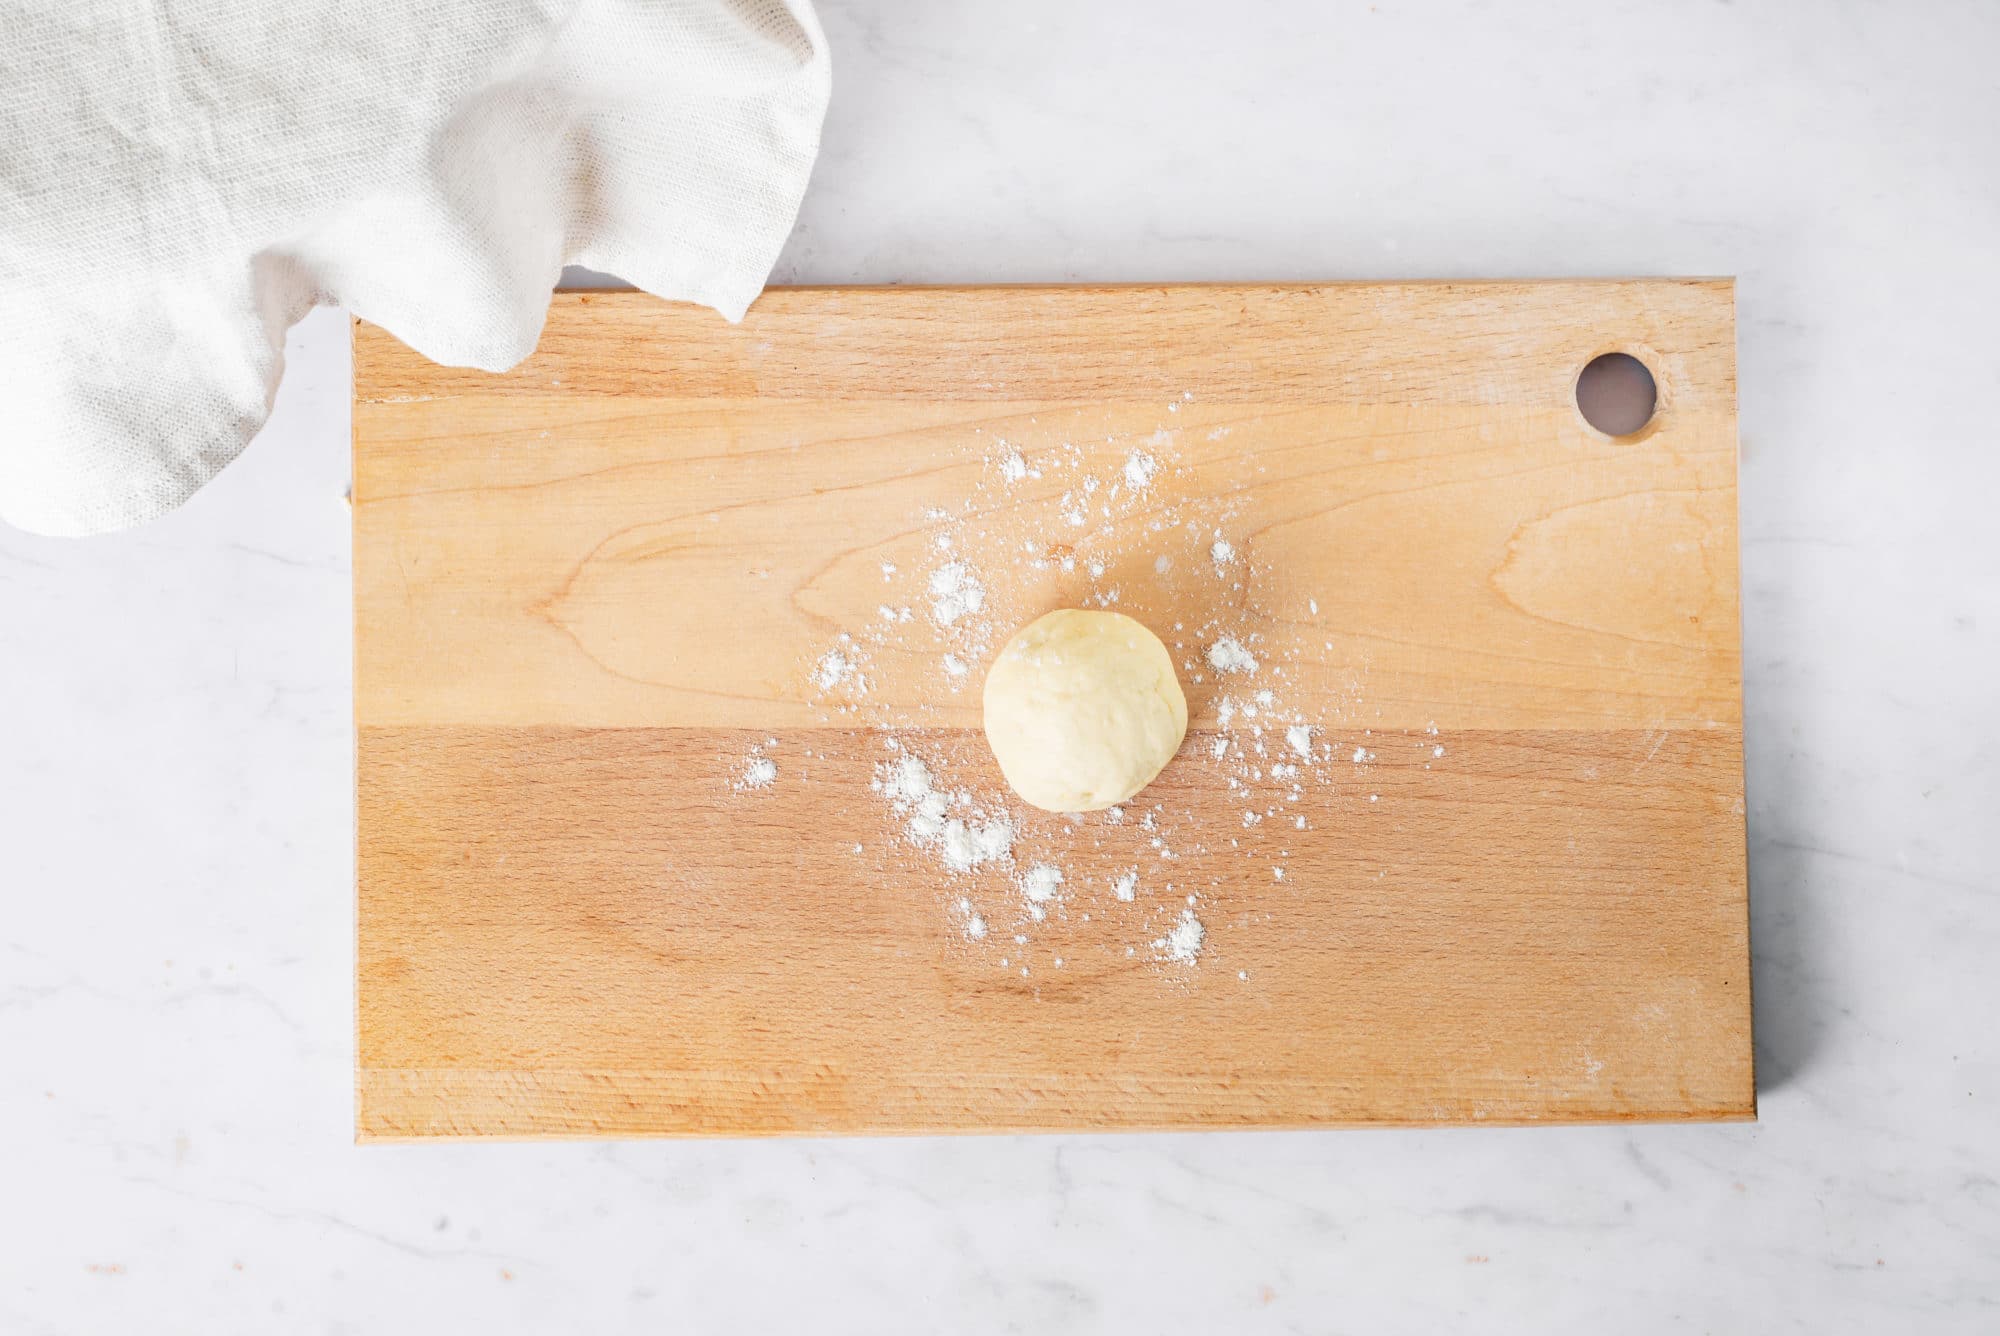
pixel 1083 709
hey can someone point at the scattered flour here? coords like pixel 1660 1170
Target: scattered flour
pixel 927 822
pixel 966 845
pixel 1183 941
pixel 831 670
pixel 759 771
pixel 955 592
pixel 972 845
pixel 907 781
pixel 1227 656
pixel 1041 882
pixel 961 843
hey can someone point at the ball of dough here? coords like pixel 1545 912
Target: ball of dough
pixel 1083 709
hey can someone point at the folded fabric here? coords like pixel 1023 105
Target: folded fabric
pixel 181 182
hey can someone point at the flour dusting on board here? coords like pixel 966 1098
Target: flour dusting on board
pixel 1058 517
pixel 955 593
pixel 1183 941
pixel 759 771
pixel 1228 656
pixel 962 834
pixel 1140 469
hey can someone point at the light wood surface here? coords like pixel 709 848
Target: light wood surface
pixel 586 588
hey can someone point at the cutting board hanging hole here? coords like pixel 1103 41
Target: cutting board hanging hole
pixel 1616 394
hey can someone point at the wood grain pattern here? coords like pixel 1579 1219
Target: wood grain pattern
pixel 571 925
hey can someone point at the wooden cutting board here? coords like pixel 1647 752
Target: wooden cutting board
pixel 590 591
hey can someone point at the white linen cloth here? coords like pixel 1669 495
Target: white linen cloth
pixel 182 180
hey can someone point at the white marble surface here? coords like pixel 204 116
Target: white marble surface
pixel 175 813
